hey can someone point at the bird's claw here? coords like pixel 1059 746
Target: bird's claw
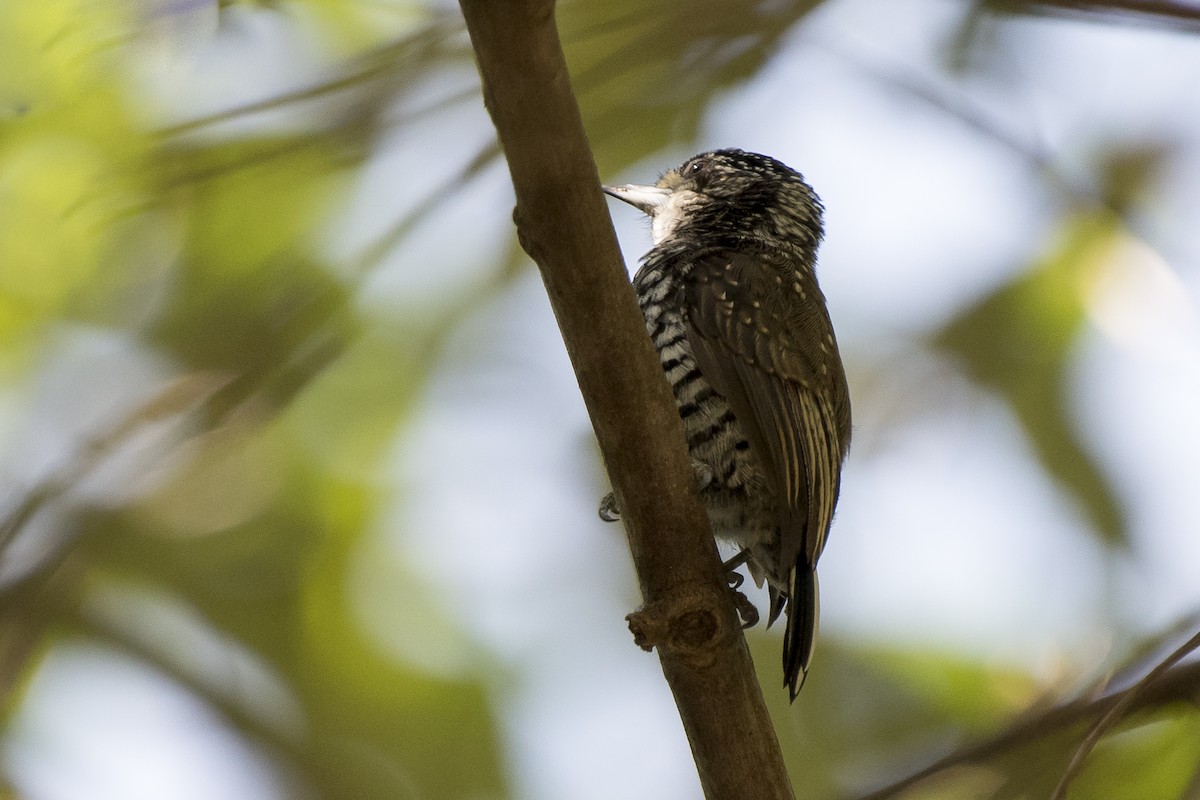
pixel 735 578
pixel 608 508
pixel 704 478
pixel 745 609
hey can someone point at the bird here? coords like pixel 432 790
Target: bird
pixel 731 302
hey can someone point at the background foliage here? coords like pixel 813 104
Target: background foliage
pixel 298 500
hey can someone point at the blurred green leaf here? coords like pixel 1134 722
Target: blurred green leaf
pixel 871 716
pixel 1019 342
pixel 253 203
pixel 278 581
pixel 70 148
pixel 1148 758
pixel 872 712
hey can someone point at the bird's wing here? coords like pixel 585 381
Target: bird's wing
pixel 762 338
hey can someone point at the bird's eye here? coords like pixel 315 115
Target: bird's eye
pixel 696 167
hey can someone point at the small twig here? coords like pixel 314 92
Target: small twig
pixel 398 230
pixel 371 67
pixel 1116 713
pixel 1143 656
pixel 1180 683
pixel 1181 17
pixel 959 106
pixel 179 395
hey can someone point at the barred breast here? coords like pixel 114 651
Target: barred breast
pixel 738 500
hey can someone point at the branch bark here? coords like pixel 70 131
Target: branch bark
pixel 563 224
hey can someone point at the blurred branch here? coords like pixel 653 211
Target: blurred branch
pixel 959 105
pixel 562 223
pixel 27 610
pixel 259 153
pixel 401 228
pixel 30 605
pixel 274 738
pixel 375 65
pixel 215 394
pixel 1173 16
pixel 1172 685
pixel 1114 714
pixel 178 396
pixel 1144 654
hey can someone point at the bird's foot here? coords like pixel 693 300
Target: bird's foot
pixel 735 578
pixel 704 478
pixel 745 609
pixel 608 508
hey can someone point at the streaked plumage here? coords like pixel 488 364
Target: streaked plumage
pixel 731 301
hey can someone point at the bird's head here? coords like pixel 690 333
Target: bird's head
pixel 730 197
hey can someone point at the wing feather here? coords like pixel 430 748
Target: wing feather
pixel 771 354
pixel 769 358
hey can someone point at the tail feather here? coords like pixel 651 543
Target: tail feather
pixel 777 600
pixel 801 632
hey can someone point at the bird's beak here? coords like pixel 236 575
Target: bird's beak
pixel 648 199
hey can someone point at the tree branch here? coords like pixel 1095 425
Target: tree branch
pixel 563 224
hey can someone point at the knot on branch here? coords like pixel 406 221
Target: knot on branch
pixel 691 624
pixel 527 241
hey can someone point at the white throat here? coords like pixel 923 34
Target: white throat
pixel 668 215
